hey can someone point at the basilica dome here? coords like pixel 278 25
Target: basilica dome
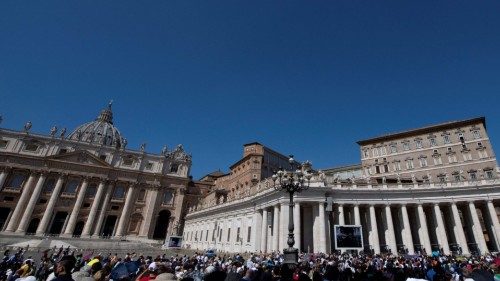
pixel 100 131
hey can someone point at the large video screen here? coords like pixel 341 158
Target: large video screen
pixel 348 237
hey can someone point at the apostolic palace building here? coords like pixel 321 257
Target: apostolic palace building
pixel 422 190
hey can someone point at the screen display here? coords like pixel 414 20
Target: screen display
pixel 348 237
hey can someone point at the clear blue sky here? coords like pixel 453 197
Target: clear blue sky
pixel 309 78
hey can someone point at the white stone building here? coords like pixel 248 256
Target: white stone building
pixel 401 214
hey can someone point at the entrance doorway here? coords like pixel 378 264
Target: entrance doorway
pixel 78 228
pixel 162 225
pixel 109 226
pixel 4 214
pixel 33 226
pixel 58 223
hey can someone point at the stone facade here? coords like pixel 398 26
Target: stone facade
pixel 88 184
pixel 452 151
pixel 415 210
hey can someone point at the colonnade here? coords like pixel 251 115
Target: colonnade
pixel 22 212
pixel 396 227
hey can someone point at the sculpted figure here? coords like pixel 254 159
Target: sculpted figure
pixel 53 131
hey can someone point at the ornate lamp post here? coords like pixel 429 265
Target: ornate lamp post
pixel 291 181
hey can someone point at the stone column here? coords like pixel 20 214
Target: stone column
pixel 68 232
pixel 93 210
pixel 374 230
pixel 256 231
pixel 297 228
pixel 423 231
pixel 150 212
pixel 459 230
pixel 25 194
pixel 44 223
pixel 357 218
pixel 276 232
pixel 263 233
pixel 406 231
pixel 3 177
pixel 494 223
pixel 25 219
pixel 104 208
pixel 390 237
pixel 322 233
pixel 125 216
pixel 340 209
pixel 477 229
pixel 283 226
pixel 441 231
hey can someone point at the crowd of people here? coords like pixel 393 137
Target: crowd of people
pixel 63 264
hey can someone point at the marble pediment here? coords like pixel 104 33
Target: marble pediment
pixel 80 157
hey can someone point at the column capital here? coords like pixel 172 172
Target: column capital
pixel 5 169
pixel 435 204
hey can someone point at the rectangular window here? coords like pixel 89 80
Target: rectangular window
pixel 446 139
pixel 49 185
pixel 476 134
pixel 167 197
pixel 489 174
pixel 220 235
pixel 249 234
pixel 63 151
pixel 438 160
pixel 128 161
pixel 228 234
pixel 375 152
pixel 149 166
pixel 482 153
pixel 423 162
pixel 206 237
pixel 473 175
pixel 452 158
pixel 397 166
pixel 365 153
pixel 71 186
pixel 418 144
pixel 433 142
pixel 238 235
pixel 383 150
pixel 467 156
pixel 394 148
pixel 456 177
pixel 119 192
pixel 3 143
pixel 31 147
pixel 16 181
pixel 406 146
pixel 442 179
pixel 409 164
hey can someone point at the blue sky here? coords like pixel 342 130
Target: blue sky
pixel 304 77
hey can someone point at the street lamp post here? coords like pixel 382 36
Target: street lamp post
pixel 291 182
